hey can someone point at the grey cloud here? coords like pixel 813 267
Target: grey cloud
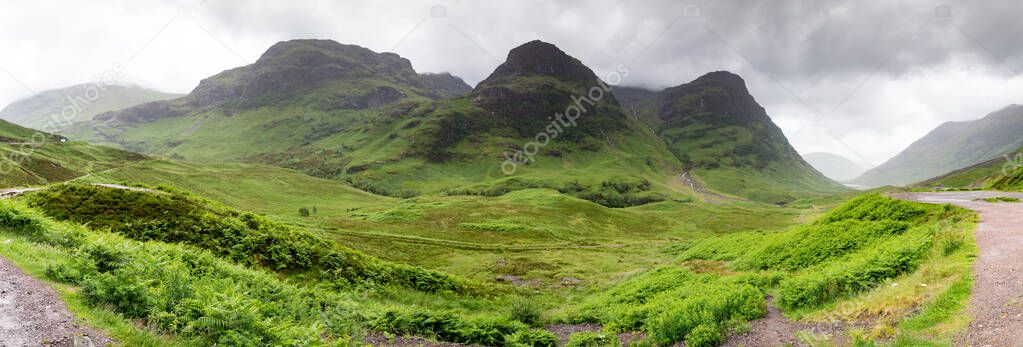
pixel 788 51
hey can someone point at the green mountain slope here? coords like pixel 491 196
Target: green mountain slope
pixel 714 126
pixel 951 146
pixel 29 157
pixel 542 119
pixel 996 173
pixel 79 103
pixel 834 166
pixel 371 120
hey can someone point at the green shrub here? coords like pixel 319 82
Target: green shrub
pixel 668 303
pixel 32 226
pixel 532 338
pixel 817 243
pixel 874 207
pixel 593 339
pixel 128 294
pixel 447 326
pixel 526 311
pixel 863 270
pixel 704 335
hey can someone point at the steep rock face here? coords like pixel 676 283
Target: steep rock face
pixel 718 131
pixel 446 84
pixel 147 112
pixel 326 74
pixel 951 146
pixel 538 58
pixel 538 81
pixel 719 105
pixel 291 68
pixel 718 97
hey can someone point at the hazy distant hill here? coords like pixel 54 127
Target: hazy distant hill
pixel 35 111
pixel 951 146
pixel 834 166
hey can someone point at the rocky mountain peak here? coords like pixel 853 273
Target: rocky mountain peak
pixel 719 94
pixel 544 59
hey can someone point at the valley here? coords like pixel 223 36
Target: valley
pixel 333 194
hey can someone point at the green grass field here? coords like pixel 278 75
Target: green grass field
pixel 547 258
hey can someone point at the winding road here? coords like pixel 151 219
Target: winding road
pixel 997 300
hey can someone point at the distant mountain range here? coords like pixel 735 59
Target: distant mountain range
pixel 542 119
pixel 834 166
pixel 949 147
pixel 78 103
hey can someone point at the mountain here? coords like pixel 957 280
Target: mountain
pixel 345 112
pixel 949 147
pixel 991 174
pixel 716 128
pixel 31 157
pixel 834 166
pixel 298 93
pixel 541 119
pixel 79 103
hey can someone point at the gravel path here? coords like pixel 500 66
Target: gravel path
pixel 32 314
pixel 772 330
pixel 997 300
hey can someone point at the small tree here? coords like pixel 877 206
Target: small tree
pixel 304 212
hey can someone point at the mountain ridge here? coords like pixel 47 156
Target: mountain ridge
pixel 56 108
pixel 834 166
pixel 951 146
pixel 718 130
pixel 378 128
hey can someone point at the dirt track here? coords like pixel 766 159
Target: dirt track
pixel 32 314
pixel 997 300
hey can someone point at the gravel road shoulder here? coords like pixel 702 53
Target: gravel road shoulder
pixel 997 299
pixel 32 314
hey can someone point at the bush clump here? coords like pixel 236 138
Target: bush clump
pixel 593 339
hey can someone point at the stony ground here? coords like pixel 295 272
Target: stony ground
pixel 32 314
pixel 997 300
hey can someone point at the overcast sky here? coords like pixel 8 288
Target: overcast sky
pixel 859 78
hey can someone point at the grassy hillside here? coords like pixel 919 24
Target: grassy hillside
pixel 29 157
pixel 838 267
pixel 950 147
pixel 718 132
pixel 537 255
pixel 987 175
pixel 186 293
pixel 1011 182
pixel 383 128
pixel 538 235
pixel 87 100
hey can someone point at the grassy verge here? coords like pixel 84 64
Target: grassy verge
pixel 871 259
pixel 34 258
pixel 142 290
